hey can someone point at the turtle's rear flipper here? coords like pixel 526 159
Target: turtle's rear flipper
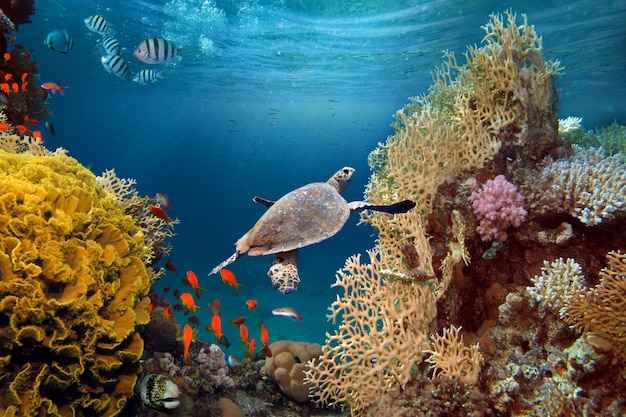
pixel 400 207
pixel 224 264
pixel 266 203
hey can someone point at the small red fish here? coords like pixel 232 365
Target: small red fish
pixel 169 265
pixel 238 321
pixel 8 77
pixel 15 87
pixel 194 320
pixel 176 292
pixel 166 289
pixel 229 278
pixel 167 313
pixel 266 351
pixel 216 325
pixel 159 213
pixel 243 334
pixel 192 280
pixel 248 352
pixel 150 309
pixel 265 336
pixel 189 302
pixel 53 87
pixel 251 304
pixel 37 135
pixel 22 129
pixel 12 39
pixel 4 126
pixel 187 336
pixel 7 56
pixel 5 87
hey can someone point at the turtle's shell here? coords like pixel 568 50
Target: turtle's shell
pixel 301 217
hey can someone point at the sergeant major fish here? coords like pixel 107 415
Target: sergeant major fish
pixel 157 51
pixel 147 76
pixel 115 64
pixel 59 40
pixel 111 45
pixel 98 24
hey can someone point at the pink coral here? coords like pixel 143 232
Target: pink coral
pixel 497 205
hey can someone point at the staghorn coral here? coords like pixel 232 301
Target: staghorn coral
pixel 587 185
pixel 558 281
pixel 601 310
pixel 287 365
pixel 450 358
pixel 383 329
pixel 73 291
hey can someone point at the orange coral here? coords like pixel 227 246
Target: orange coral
pixel 73 288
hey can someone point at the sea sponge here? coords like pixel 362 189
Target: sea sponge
pixel 73 291
pixel 287 364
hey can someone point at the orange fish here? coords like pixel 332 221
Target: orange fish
pixel 4 126
pixel 5 87
pixel 7 56
pixel 248 352
pixel 22 129
pixel 243 333
pixel 189 302
pixel 53 87
pixel 229 278
pixel 159 213
pixel 216 325
pixel 150 309
pixel 238 321
pixel 167 313
pixel 187 336
pixel 8 77
pixel 251 304
pixel 266 351
pixel 15 87
pixel 37 135
pixel 192 280
pixel 265 336
pixel 169 265
pixel 24 76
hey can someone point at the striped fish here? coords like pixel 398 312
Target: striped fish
pixel 147 76
pixel 115 64
pixel 157 51
pixel 111 45
pixel 96 23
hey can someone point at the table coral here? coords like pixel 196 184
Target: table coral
pixel 72 288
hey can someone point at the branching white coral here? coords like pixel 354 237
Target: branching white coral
pixel 121 188
pixel 558 281
pixel 569 124
pixel 449 357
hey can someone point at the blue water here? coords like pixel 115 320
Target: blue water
pixel 271 95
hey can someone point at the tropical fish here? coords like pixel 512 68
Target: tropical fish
pixel 189 302
pixel 160 213
pixel 157 391
pixel 111 45
pixel 287 312
pixel 167 313
pixel 251 346
pixel 37 135
pixel 50 128
pixel 238 321
pixel 59 40
pixel 194 320
pixel 216 325
pixel 215 306
pixel 157 51
pixel 192 280
pixel 169 265
pixel 53 87
pixel 251 304
pixel 98 24
pixel 7 56
pixel 115 65
pixel 229 278
pixel 224 342
pixel 187 336
pixel 147 76
pixel 243 334
pixel 265 336
pixel 234 360
pixel 265 350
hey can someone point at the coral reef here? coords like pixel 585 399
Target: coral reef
pixel 73 291
pixel 493 118
pixel 287 365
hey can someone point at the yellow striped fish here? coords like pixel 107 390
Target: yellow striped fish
pixel 157 51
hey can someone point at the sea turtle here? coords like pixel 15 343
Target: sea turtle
pixel 304 216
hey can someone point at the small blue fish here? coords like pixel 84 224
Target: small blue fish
pixel 59 40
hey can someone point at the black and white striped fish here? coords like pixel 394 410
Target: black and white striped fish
pixel 115 64
pixel 111 45
pixel 147 76
pixel 98 24
pixel 157 51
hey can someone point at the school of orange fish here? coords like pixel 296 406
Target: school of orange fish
pixel 189 304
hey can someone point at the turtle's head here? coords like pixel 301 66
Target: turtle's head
pixel 341 179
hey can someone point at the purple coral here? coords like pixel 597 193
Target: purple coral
pixel 497 205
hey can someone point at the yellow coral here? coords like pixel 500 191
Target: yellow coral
pixel 384 326
pixel 601 310
pixel 72 288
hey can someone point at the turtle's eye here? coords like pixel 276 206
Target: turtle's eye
pixel 346 171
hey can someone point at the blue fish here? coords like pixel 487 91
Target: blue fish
pixel 59 40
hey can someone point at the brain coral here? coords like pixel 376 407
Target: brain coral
pixel 72 291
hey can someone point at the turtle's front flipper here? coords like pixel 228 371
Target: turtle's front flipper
pixel 400 207
pixel 266 203
pixel 224 264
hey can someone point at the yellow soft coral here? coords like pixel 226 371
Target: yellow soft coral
pixel 72 288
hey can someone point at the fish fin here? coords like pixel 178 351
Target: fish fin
pixel 266 203
pixel 224 264
pixel 400 207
